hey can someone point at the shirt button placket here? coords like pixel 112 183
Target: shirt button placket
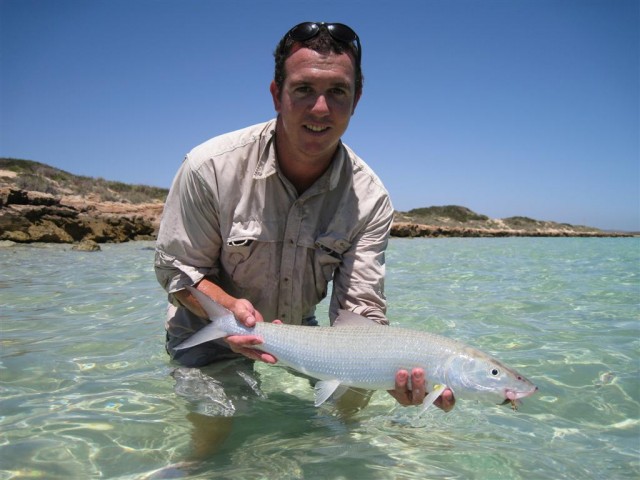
pixel 289 250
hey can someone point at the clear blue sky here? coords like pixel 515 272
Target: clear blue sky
pixel 508 107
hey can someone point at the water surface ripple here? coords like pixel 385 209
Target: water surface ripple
pixel 86 390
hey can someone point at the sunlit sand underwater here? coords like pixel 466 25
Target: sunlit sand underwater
pixel 87 391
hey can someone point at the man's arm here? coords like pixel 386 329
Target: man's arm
pixel 358 284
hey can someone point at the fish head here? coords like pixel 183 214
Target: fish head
pixel 484 376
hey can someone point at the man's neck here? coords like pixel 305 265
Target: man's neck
pixel 301 172
pixel 301 175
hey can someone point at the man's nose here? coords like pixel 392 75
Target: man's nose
pixel 320 106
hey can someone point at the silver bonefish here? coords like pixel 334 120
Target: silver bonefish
pixel 362 354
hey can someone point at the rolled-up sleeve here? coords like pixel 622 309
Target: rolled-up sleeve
pixel 188 244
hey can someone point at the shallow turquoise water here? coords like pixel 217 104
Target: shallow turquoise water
pixel 86 390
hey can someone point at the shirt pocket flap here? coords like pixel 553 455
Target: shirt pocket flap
pixel 242 235
pixel 335 247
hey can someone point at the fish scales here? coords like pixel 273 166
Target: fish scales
pixel 365 357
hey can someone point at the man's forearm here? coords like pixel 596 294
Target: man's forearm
pixel 210 289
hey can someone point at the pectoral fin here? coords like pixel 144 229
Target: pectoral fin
pixel 325 388
pixel 429 399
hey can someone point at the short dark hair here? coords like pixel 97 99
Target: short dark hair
pixel 323 42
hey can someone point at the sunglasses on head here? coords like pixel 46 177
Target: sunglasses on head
pixel 338 31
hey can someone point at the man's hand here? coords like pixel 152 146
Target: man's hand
pixel 243 344
pixel 246 314
pixel 415 395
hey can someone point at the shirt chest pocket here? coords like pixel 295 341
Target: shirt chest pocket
pixel 248 253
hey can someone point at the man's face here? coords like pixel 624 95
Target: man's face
pixel 315 104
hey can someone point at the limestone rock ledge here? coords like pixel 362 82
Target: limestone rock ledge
pixel 31 216
pixel 28 216
pixel 410 230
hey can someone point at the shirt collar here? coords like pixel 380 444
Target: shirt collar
pixel 336 167
pixel 267 163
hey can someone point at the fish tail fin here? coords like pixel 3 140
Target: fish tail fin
pixel 206 334
pixel 213 331
pixel 429 399
pixel 214 310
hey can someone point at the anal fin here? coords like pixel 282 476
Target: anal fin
pixel 325 388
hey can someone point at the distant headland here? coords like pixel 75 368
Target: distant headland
pixel 455 221
pixel 40 203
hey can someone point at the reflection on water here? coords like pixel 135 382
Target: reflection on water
pixel 86 390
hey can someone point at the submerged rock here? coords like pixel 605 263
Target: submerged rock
pixel 86 246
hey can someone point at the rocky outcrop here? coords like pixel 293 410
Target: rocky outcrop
pixel 27 216
pixel 407 229
pixel 40 203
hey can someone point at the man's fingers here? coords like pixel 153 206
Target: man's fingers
pixel 402 378
pixel 401 392
pixel 243 344
pixel 446 401
pixel 246 314
pixel 414 392
pixel 258 355
pixel 418 387
pixel 240 341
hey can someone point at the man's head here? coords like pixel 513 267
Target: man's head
pixel 323 38
pixel 315 93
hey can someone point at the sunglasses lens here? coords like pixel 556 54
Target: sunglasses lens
pixel 342 32
pixel 304 31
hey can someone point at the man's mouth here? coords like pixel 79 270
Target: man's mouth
pixel 316 128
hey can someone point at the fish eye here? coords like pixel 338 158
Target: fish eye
pixel 495 372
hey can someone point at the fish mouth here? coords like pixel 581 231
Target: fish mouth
pixel 512 395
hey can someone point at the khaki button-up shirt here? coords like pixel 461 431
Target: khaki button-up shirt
pixel 233 217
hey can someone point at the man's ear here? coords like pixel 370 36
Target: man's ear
pixel 275 95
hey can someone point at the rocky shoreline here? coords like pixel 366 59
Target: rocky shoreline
pixel 40 203
pixel 29 217
pixel 411 230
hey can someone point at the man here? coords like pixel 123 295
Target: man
pixel 263 218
